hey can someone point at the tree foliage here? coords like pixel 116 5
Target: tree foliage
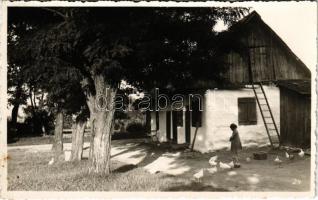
pixel 75 54
pixel 141 45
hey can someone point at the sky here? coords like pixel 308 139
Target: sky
pixel 295 23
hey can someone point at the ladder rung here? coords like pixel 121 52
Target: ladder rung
pixel 272 132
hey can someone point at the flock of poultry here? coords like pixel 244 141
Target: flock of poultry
pixel 223 166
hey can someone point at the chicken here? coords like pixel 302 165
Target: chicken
pixel 301 153
pixel 212 170
pixel 51 161
pixel 231 164
pixel 287 155
pixel 296 181
pixel 248 159
pixel 212 161
pixel 278 161
pixel 224 166
pixel 199 175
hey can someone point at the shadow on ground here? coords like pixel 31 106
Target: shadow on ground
pixel 195 186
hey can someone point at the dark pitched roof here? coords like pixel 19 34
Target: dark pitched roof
pixel 240 28
pixel 299 86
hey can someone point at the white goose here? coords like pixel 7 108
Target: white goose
pixel 301 153
pixel 198 176
pixel 213 160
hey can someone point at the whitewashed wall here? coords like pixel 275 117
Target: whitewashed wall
pixel 220 109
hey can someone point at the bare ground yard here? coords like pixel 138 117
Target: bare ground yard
pixel 138 166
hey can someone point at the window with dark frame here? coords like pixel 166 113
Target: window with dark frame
pixel 247 111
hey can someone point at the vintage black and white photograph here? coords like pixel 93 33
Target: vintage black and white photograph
pixel 213 98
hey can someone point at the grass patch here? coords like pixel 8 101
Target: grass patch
pixel 30 171
pixel 23 141
pixel 32 141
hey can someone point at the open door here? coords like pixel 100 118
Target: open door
pixel 168 125
pixel 177 121
pixel 187 127
pixel 175 126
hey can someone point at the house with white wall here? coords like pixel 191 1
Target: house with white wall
pixel 255 99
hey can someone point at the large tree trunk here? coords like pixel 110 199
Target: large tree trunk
pixel 58 134
pixel 13 131
pixel 14 115
pixel 91 146
pixel 78 140
pixel 102 111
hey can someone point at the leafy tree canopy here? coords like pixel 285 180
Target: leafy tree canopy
pixel 147 46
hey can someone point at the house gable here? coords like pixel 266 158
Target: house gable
pixel 262 49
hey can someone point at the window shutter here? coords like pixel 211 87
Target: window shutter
pixel 242 113
pixel 252 115
pixel 247 111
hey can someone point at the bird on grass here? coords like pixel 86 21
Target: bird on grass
pixel 224 166
pixel 278 161
pixel 301 153
pixel 51 161
pixel 231 164
pixel 289 156
pixel 212 161
pixel 198 176
pixel 212 170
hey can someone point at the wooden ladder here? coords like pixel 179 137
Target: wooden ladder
pixel 267 115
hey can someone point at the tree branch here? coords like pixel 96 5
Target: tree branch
pixel 56 12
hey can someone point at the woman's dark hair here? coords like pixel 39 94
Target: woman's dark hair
pixel 233 126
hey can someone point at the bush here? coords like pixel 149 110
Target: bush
pixel 135 127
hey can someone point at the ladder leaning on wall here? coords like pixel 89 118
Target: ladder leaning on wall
pixel 267 115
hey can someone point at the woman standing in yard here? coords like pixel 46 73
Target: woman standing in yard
pixel 235 144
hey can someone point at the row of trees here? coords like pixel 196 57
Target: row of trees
pixel 75 55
